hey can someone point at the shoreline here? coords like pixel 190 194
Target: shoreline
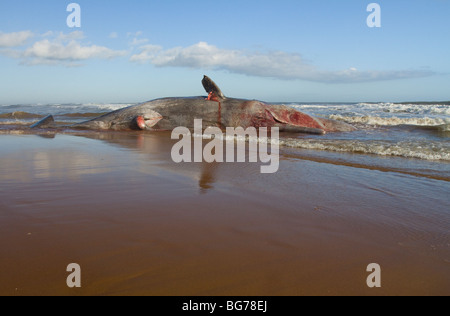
pixel 138 224
pixel 428 168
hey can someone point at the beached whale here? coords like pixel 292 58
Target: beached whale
pixel 215 110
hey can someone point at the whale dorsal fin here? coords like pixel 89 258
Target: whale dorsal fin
pixel 210 86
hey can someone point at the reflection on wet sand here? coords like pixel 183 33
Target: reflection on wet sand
pixel 138 223
pixel 40 162
pixel 156 149
pixel 207 177
pixel 66 163
pixel 153 149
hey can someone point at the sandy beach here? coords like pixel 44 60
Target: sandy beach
pixel 139 224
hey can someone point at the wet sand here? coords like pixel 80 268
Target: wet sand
pixel 139 224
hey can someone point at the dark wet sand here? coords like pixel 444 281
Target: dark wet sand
pixel 138 224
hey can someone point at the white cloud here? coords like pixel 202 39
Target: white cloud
pixel 69 49
pixel 14 39
pixel 148 53
pixel 113 35
pixel 275 64
pixel 61 49
pixel 138 41
pixel 134 34
pixel 64 37
pixel 76 35
pixel 48 52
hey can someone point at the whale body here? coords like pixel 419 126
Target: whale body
pixel 215 110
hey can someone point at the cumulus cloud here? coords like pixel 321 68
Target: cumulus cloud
pixel 147 54
pixel 61 49
pixel 14 39
pixel 71 49
pixel 47 52
pixel 134 34
pixel 137 41
pixel 275 64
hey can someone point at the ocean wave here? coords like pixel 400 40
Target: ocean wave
pixel 314 106
pixel 377 109
pixel 418 109
pixel 19 115
pixel 444 128
pixel 421 150
pixel 426 150
pixel 100 107
pixel 390 121
pixel 26 115
pixel 62 109
pixel 81 115
pixel 16 122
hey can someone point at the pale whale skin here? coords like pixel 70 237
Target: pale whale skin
pixel 124 119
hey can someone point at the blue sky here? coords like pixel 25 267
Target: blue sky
pixel 284 50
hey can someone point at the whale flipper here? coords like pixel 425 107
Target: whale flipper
pixel 47 121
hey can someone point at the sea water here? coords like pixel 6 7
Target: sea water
pixel 390 136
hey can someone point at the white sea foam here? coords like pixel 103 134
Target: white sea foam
pixel 107 106
pixel 381 114
pixel 421 150
pixel 417 109
pixel 427 150
pixel 17 122
pixel 391 121
pixel 386 107
pixel 60 109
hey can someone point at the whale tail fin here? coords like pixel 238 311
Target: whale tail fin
pixel 212 88
pixel 46 122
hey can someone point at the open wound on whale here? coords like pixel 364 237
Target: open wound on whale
pixel 144 123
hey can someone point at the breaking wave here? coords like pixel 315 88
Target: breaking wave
pixel 19 115
pixel 390 121
pixel 63 109
pixel 16 122
pixel 444 128
pixel 427 150
pixel 411 108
